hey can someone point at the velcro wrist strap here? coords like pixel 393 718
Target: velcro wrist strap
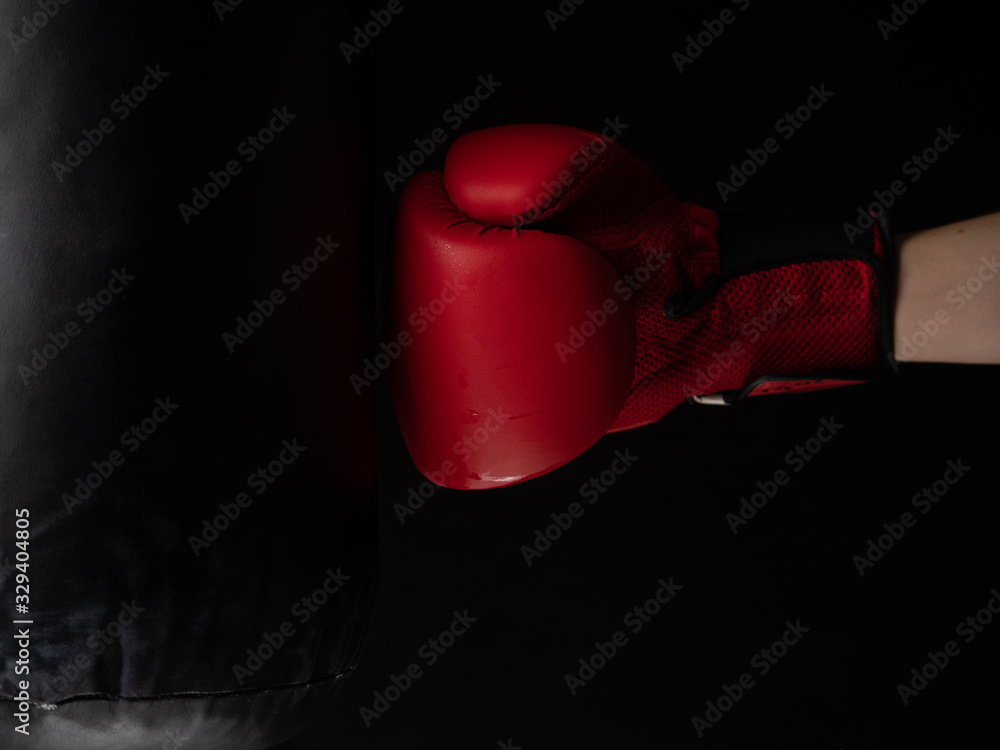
pixel 753 243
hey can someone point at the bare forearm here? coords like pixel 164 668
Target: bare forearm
pixel 948 293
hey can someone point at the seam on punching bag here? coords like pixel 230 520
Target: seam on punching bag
pixel 181 696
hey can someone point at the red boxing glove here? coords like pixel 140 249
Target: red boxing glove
pixel 548 289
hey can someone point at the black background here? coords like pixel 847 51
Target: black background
pixel 666 516
pixel 503 682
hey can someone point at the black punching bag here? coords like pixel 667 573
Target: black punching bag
pixel 187 523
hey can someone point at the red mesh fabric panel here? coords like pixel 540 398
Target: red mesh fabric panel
pixel 750 328
pixel 798 320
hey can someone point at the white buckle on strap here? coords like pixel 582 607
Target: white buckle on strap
pixel 713 399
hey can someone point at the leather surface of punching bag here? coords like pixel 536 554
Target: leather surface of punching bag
pixel 187 522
